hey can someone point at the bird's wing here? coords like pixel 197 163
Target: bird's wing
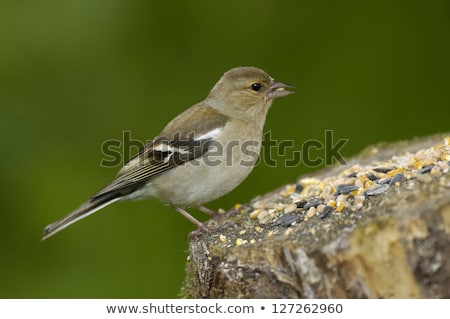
pixel 162 155
pixel 177 144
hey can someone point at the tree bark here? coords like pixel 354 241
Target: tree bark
pixel 395 244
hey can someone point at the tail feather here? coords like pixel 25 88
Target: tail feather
pixel 83 211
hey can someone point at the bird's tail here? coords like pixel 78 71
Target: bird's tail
pixel 83 211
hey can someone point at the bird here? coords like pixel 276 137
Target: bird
pixel 202 154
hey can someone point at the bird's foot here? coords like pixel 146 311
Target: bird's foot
pixel 201 228
pixel 210 229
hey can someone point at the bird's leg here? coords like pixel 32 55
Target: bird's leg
pixel 207 211
pixel 202 228
pixel 192 219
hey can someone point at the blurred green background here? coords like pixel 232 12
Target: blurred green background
pixel 75 73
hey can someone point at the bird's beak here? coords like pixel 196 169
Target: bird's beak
pixel 278 89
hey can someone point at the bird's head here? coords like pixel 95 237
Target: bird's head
pixel 246 89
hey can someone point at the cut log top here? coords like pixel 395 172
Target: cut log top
pixel 377 227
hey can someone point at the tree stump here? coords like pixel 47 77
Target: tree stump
pixel 377 227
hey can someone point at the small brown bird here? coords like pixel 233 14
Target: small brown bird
pixel 201 155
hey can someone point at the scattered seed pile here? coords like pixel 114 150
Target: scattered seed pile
pixel 346 192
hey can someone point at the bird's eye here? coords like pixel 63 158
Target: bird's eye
pixel 256 87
